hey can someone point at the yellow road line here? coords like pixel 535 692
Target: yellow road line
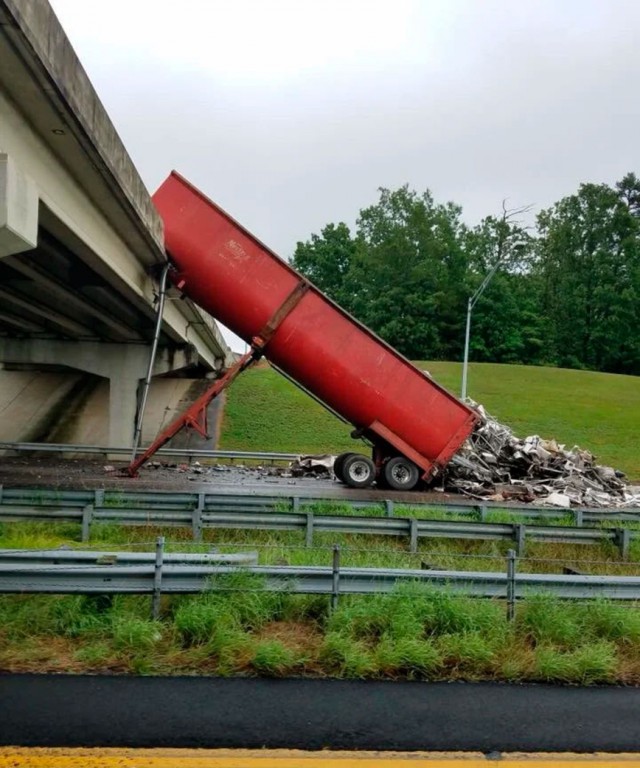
pixel 17 757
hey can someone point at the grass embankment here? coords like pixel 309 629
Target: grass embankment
pixel 266 412
pixel 598 411
pixel 413 633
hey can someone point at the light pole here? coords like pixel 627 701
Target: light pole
pixel 504 230
pixel 470 305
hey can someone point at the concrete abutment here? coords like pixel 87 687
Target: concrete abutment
pixel 124 366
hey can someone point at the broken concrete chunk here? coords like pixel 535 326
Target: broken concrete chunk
pixel 556 500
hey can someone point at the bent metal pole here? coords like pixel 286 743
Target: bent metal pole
pixel 152 360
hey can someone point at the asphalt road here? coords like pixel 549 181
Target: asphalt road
pixel 52 472
pixel 315 714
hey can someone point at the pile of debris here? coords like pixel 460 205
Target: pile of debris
pixel 496 465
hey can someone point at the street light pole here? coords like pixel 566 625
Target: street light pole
pixel 504 246
pixel 470 305
pixel 465 364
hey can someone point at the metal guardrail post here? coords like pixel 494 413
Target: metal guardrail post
pixel 196 518
pixel 483 513
pixel 295 504
pixel 309 530
pixel 578 518
pixel 623 537
pixel 87 516
pixel 519 535
pixel 157 579
pixel 413 534
pixel 335 582
pixel 388 507
pixel 511 585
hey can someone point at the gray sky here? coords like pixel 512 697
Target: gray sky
pixel 290 113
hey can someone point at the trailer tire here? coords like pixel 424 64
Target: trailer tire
pixel 358 471
pixel 338 465
pixel 401 474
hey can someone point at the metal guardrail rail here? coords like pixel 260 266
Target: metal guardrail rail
pixel 170 577
pixel 74 557
pixel 200 511
pixel 191 453
pixel 252 502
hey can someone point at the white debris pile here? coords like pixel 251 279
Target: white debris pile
pixel 316 466
pixel 496 465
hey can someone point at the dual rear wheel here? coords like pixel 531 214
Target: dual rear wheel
pixel 401 474
pixel 355 470
pixel 359 471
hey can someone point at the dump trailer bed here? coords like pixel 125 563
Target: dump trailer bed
pixel 237 279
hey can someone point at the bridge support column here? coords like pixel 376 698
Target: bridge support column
pixel 125 372
pixel 124 365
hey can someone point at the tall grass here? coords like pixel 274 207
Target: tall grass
pixel 239 628
pixel 414 632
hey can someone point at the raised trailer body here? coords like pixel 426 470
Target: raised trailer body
pixel 237 279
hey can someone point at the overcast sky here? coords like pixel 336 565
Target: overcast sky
pixel 291 113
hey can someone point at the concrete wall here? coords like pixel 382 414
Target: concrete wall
pixel 73 407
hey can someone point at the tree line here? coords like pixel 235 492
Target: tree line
pixel 566 290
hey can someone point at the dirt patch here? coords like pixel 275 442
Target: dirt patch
pixel 304 637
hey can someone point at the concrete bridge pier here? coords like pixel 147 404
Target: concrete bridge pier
pixel 124 365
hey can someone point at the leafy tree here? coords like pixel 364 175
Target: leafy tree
pixel 409 273
pixel 326 260
pixel 628 190
pixel 508 324
pixel 589 251
pixel 566 296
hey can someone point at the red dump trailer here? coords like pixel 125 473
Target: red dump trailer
pixel 413 425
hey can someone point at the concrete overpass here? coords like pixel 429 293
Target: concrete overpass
pixel 80 241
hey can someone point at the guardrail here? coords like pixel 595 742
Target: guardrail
pixel 179 501
pixel 200 511
pixel 159 575
pixel 191 453
pixel 74 557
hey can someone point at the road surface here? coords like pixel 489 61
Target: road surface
pixel 315 714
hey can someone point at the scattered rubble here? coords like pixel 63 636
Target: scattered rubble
pixel 493 465
pixel 496 465
pixel 308 466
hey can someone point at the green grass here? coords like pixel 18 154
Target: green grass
pixel 273 658
pixel 288 548
pixel 264 409
pixel 413 633
pixel 598 411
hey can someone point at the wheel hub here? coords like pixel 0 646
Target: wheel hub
pixel 359 470
pixel 400 474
